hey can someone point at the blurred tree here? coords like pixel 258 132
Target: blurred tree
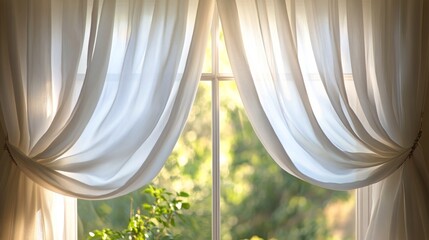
pixel 259 198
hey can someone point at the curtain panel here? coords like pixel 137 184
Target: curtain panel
pixel 93 97
pixel 335 90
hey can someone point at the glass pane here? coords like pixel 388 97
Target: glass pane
pixel 208 64
pixel 260 199
pixel 188 169
pixel 224 65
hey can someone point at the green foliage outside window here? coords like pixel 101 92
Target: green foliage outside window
pixel 154 221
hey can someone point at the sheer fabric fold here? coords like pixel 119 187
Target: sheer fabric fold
pixel 335 90
pixel 93 97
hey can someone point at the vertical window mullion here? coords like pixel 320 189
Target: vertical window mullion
pixel 216 222
pixel 215 162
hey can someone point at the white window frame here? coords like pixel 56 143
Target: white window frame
pixel 215 76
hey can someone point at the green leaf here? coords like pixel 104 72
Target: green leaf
pixel 183 194
pixel 186 205
pixel 147 206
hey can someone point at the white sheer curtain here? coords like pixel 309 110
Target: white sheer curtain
pixel 93 97
pixel 335 90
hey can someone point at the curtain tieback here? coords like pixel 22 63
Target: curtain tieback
pixel 416 142
pixel 7 149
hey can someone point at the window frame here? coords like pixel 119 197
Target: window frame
pixel 214 77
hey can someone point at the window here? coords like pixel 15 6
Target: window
pixel 236 190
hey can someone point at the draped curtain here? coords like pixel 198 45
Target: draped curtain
pixel 335 90
pixel 93 97
pixel 94 94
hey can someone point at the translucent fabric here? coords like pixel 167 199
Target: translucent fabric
pixel 93 97
pixel 335 90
